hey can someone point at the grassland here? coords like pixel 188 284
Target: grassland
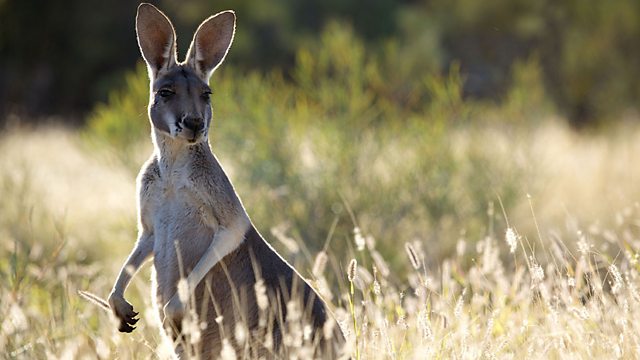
pixel 562 284
pixel 480 229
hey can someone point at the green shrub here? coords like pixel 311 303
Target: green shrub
pixel 339 134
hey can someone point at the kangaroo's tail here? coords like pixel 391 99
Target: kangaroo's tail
pixel 95 299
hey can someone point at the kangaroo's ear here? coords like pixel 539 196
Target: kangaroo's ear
pixel 211 43
pixel 156 38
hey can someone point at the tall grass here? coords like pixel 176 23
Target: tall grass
pixel 476 229
pixel 568 289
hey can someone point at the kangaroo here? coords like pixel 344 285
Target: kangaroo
pixel 210 261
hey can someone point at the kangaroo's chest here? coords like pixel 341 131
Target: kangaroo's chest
pixel 183 224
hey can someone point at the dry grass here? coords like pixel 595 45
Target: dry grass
pixel 566 288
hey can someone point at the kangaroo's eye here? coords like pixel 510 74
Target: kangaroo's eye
pixel 165 93
pixel 206 95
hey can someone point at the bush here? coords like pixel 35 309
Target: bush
pixel 341 136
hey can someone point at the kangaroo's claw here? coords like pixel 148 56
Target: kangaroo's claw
pixel 124 312
pixel 125 328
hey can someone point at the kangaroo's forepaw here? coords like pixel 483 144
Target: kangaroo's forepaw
pixel 173 313
pixel 124 312
pixel 174 309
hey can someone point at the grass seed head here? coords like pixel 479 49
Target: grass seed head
pixel 183 290
pixel 227 352
pixel 358 238
pixel 618 283
pixel 261 294
pixel 537 272
pixel 512 240
pixel 413 256
pixel 352 270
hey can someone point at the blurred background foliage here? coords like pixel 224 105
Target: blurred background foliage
pixel 61 57
pixel 341 134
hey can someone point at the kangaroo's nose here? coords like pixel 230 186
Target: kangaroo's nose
pixel 193 123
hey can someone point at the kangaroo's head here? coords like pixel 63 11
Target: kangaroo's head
pixel 179 105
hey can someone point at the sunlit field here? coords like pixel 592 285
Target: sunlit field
pixel 552 275
pixel 434 226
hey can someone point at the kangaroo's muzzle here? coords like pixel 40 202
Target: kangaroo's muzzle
pixel 192 123
pixel 193 127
